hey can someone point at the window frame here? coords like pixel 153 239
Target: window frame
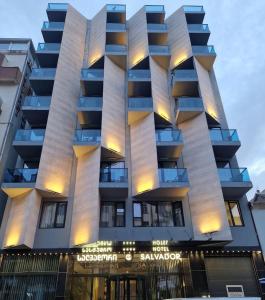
pixel 115 204
pixel 231 214
pixel 56 214
pixel 158 220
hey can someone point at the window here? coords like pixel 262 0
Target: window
pixel 233 213
pixel 112 214
pixel 157 214
pixel 53 214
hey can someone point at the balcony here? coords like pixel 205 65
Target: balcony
pixel 92 82
pixel 199 34
pixel 138 108
pixel 139 75
pixel 10 75
pixel 86 140
pixel 157 28
pixel 169 142
pixel 194 14
pixel 225 142
pixel 28 143
pixel 42 80
pixel 89 111
pixel 184 82
pixel 36 109
pixel 113 182
pixel 161 54
pixel 205 54
pixel 117 52
pixel 48 54
pixel 52 32
pixel 235 182
pixel 19 181
pixel 116 13
pixel 188 108
pixel 56 12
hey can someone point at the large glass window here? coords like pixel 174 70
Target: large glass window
pixel 53 215
pixel 112 214
pixel 157 214
pixel 233 213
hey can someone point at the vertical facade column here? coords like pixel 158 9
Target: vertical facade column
pixel 57 154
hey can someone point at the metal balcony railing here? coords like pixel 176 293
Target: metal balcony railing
pixel 113 175
pixel 53 25
pixel 90 102
pixel 168 135
pixel 233 174
pixel 30 135
pixel 87 135
pixel 20 175
pixel 172 175
pixel 140 102
pixel 45 47
pixel 37 101
pixel 226 135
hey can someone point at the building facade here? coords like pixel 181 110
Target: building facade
pixel 126 184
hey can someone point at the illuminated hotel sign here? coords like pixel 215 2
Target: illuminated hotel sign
pixel 96 257
pixel 160 256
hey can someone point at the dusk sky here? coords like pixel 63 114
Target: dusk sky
pixel 238 35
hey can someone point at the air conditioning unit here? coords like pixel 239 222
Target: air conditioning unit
pixel 235 291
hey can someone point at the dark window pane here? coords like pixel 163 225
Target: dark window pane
pixel 137 214
pixel 229 217
pixel 149 214
pixel 165 214
pixel 61 213
pixel 48 215
pixel 120 215
pixel 178 214
pixel 107 216
pixel 235 213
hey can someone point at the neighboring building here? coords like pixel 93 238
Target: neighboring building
pixel 258 213
pixel 16 59
pixel 127 185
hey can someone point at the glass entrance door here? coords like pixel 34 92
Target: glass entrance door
pixel 127 288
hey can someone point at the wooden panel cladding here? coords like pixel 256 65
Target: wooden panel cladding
pixel 97 38
pixel 161 100
pixel 11 75
pixel 86 209
pixel 178 38
pixel 22 220
pixel 208 94
pixel 57 154
pixel 205 196
pixel 137 38
pixel 144 156
pixel 113 109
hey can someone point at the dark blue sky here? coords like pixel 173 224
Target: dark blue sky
pixel 238 34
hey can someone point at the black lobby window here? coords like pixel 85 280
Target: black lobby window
pixel 53 214
pixel 157 214
pixel 233 213
pixel 112 214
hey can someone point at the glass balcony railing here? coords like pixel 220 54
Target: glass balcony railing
pixel 168 135
pixel 37 101
pixel 172 175
pixel 116 27
pixel 113 175
pixel 53 25
pixel 20 175
pixel 116 8
pixel 87 135
pixel 139 74
pixel 48 47
pixel 90 102
pixel 116 48
pixel 226 135
pixel 92 74
pixel 203 50
pixel 185 74
pixel 30 135
pixel 198 27
pixel 189 103
pixel 157 49
pixel 233 174
pixel 140 103
pixel 154 8
pixel 43 72
pixel 193 9
pixel 156 27
pixel 57 6
pixel 14 46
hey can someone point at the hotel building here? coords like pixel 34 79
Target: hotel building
pixel 126 184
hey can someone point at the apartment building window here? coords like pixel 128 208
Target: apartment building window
pixel 158 214
pixel 233 213
pixel 53 215
pixel 112 214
